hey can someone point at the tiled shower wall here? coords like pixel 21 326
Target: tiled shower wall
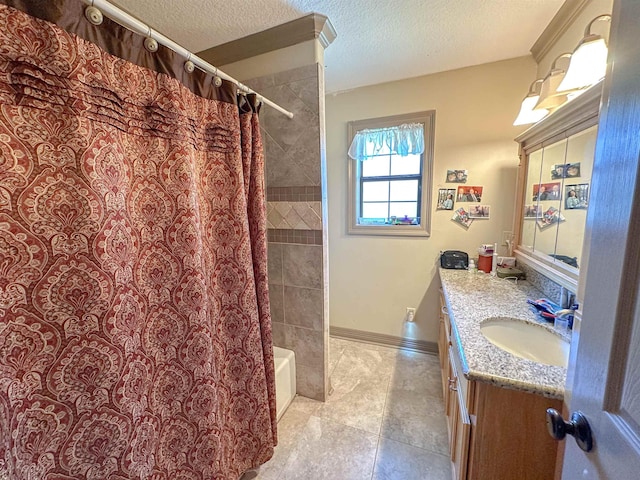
pixel 295 221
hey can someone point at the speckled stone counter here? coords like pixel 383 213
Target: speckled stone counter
pixel 473 297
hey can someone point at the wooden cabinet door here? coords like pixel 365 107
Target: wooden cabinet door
pixel 459 424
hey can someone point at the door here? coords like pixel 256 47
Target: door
pixel 604 377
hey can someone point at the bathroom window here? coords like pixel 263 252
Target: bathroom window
pixel 390 170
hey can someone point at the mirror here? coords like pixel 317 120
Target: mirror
pixel 553 192
pixel 576 183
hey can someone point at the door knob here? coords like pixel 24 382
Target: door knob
pixel 578 427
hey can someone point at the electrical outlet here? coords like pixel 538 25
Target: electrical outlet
pixel 411 313
pixel 506 236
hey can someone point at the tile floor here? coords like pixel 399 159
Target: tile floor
pixel 384 420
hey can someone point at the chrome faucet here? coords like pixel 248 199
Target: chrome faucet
pixel 567 298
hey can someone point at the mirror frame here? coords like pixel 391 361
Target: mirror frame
pixel 571 118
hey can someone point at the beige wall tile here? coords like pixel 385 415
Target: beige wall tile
pixel 304 307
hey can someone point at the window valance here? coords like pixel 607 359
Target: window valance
pixel 403 140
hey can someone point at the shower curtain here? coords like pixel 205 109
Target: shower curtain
pixel 135 337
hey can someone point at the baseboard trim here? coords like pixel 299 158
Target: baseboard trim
pixel 422 346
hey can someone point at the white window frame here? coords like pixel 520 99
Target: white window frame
pixel 426 118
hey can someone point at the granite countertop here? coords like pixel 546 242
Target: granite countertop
pixel 473 297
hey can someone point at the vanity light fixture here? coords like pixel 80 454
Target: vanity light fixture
pixel 527 113
pixel 550 97
pixel 588 61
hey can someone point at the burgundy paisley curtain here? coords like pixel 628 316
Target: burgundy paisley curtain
pixel 135 337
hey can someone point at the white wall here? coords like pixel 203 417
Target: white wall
pixel 374 279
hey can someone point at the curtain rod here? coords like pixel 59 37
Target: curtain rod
pixel 134 24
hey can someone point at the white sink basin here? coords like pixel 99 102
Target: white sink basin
pixel 526 340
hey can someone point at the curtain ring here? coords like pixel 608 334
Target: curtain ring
pixel 217 81
pixel 150 43
pixel 93 14
pixel 189 66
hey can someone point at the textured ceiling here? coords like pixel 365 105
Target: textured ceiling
pixel 378 40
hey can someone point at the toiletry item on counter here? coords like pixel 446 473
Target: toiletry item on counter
pixel 509 272
pixel 488 258
pixel 487 249
pixel 484 262
pixel 563 323
pixel 494 260
pixel 472 266
pixel 546 308
pixel 454 259
pixel 506 261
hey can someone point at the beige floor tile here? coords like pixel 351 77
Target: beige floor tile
pixel 290 428
pixel 363 362
pixel 359 383
pixel 427 385
pixel 398 461
pixel 428 432
pixel 338 343
pixel 418 375
pixel 333 361
pixel 360 406
pixel 386 409
pixel 330 450
pixel 303 405
pixel 387 351
pixel 336 347
pixel 403 403
pixel 412 364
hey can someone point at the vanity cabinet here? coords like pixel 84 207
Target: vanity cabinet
pixel 509 437
pixel 455 390
pixel 494 432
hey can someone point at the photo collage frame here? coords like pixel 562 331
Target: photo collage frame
pixel 549 200
pixel 471 196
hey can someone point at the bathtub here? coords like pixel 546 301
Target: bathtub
pixel 285 365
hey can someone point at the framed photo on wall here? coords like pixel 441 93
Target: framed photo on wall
pixel 479 211
pixel 456 176
pixel 469 194
pixel 461 216
pixel 446 198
